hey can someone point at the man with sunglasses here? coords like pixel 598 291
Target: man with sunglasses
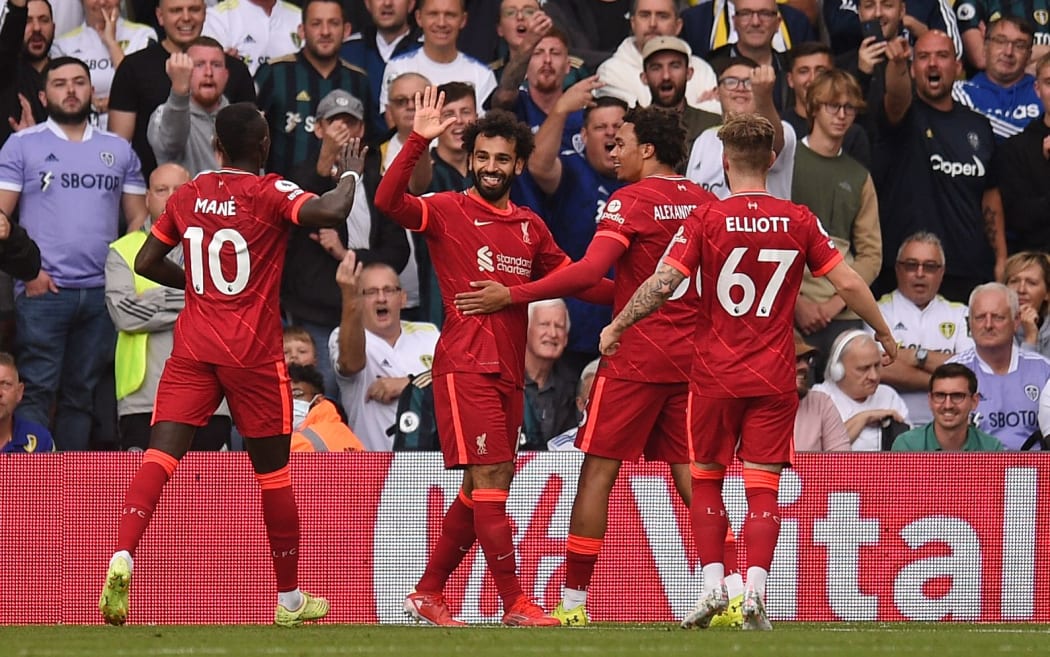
pixel 929 328
pixel 952 398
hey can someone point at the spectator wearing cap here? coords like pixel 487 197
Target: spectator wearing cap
pixel 818 425
pixel 309 294
pixel 622 72
pixel 182 129
pixel 666 72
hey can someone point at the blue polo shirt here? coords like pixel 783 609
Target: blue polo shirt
pixel 29 437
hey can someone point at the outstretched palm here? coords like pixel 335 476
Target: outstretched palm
pixel 427 120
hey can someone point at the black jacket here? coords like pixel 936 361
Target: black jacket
pixel 19 255
pixel 1023 173
pixel 308 288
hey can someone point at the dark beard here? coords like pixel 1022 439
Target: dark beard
pixel 36 59
pixel 490 195
pixel 676 100
pixel 62 117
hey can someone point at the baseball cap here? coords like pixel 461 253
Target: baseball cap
pixel 339 102
pixel 802 348
pixel 661 43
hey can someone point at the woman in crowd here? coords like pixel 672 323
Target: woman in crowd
pixel 1028 274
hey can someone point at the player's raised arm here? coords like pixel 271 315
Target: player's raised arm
pixel 152 263
pixel 857 295
pixel 649 296
pixel 392 197
pixel 333 206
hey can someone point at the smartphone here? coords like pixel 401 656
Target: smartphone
pixel 872 28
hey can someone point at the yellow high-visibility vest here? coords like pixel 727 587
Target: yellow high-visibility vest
pixel 130 360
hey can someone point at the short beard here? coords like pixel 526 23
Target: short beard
pixel 491 195
pixel 62 117
pixel 675 101
pixel 36 59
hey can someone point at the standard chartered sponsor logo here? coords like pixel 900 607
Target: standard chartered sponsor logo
pixel 953 169
pixel 485 259
pixel 487 262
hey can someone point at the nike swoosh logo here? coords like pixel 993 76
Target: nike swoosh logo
pixel 464 549
pixel 478 222
pixel 501 557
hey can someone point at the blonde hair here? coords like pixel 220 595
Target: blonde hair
pixel 748 141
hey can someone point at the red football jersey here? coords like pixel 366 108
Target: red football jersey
pixel 471 240
pixel 750 251
pixel 644 216
pixel 234 232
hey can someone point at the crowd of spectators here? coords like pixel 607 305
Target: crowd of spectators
pixel 917 132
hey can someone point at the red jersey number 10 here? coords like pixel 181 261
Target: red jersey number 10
pixel 194 235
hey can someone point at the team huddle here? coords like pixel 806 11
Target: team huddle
pixel 698 364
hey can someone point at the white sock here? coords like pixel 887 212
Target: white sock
pixel 572 598
pixel 126 555
pixel 734 585
pixel 290 600
pixel 756 580
pixel 714 574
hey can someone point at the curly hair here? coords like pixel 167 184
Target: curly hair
pixel 500 123
pixel 663 129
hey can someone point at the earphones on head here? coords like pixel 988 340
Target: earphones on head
pixel 835 370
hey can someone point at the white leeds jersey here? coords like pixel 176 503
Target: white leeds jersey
pixel 941 326
pixel 705 164
pixel 461 69
pixel 413 353
pixel 85 44
pixel 258 37
pixel 870 437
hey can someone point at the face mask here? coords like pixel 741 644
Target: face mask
pixel 300 407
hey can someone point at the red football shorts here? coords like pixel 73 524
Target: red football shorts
pixel 260 398
pixel 756 429
pixel 626 419
pixel 478 418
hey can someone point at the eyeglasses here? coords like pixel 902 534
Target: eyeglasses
pixel 808 359
pixel 834 108
pixel 387 290
pixel 763 14
pixel 912 266
pixel 524 12
pixel 1002 42
pixel 298 393
pixel 939 397
pixel 401 102
pixel 995 318
pixel 735 83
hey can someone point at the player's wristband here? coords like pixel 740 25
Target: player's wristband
pixel 356 175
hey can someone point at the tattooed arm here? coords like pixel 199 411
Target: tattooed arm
pixel 995 227
pixel 649 296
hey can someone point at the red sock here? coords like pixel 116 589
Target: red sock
pixel 142 496
pixel 494 534
pixel 731 563
pixel 708 515
pixel 762 527
pixel 282 526
pixel 457 537
pixel 581 553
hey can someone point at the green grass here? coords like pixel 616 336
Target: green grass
pixel 666 640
